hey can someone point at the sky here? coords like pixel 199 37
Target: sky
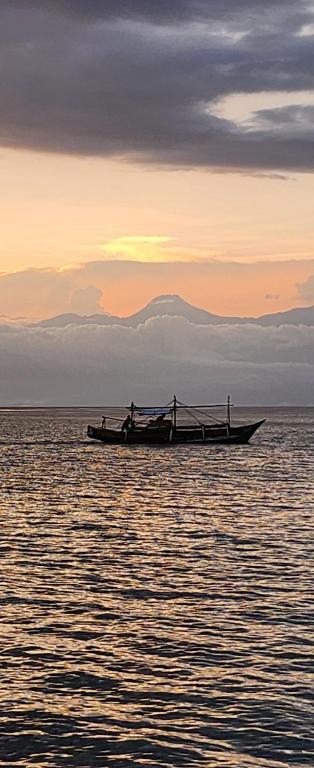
pixel 152 148
pixel 173 138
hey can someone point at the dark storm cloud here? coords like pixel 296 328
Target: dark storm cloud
pixel 102 78
pixel 155 11
pixel 294 118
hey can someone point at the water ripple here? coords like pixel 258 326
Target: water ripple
pixel 156 604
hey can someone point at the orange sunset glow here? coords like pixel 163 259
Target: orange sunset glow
pixel 239 239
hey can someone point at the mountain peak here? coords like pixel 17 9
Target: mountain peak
pixel 166 298
pixel 171 304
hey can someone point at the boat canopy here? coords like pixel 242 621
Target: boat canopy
pixel 153 411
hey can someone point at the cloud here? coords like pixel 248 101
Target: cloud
pixel 38 291
pixel 294 118
pixel 94 365
pixel 139 248
pixel 139 80
pixel 32 291
pixel 306 289
pixel 86 301
pixel 150 10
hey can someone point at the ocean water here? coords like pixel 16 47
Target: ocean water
pixel 156 603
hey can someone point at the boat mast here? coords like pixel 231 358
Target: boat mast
pixel 174 418
pixel 228 412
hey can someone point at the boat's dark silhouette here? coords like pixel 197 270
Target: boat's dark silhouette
pixel 201 428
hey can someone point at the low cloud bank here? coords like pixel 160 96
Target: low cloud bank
pixel 111 365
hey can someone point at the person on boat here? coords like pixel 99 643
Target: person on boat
pixel 127 424
pixel 160 421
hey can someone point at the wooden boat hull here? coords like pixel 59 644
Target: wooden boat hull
pixel 220 434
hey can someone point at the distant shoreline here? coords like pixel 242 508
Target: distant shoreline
pixel 122 407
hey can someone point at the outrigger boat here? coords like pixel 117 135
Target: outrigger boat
pixel 161 425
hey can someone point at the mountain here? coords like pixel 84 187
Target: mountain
pixel 162 305
pixel 297 316
pixel 174 306
pixel 70 318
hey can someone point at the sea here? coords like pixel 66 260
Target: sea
pixel 156 603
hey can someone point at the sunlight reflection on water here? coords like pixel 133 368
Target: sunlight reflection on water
pixel 157 604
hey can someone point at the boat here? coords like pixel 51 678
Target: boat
pixel 164 425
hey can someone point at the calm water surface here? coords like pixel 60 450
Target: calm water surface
pixel 156 604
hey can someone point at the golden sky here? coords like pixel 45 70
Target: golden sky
pixel 60 210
